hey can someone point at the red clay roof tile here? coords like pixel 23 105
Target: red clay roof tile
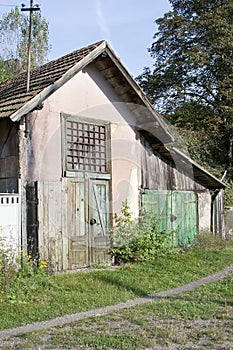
pixel 13 94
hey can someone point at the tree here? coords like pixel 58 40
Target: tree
pixel 193 69
pixel 14 31
pixel 5 71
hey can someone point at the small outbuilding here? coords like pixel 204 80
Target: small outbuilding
pixel 80 142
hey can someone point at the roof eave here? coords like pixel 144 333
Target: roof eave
pixel 218 183
pixel 139 92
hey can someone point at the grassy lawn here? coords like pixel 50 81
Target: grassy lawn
pixel 202 319
pixel 44 298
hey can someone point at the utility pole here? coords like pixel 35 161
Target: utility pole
pixel 30 9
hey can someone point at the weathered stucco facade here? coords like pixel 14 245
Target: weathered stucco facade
pixel 85 142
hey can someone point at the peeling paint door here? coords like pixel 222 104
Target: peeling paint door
pixel 77 224
pixel 176 212
pixel 87 213
pixel 184 215
pixel 99 221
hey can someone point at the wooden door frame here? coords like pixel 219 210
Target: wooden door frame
pixel 88 198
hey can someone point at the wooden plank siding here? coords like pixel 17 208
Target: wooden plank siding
pixel 157 173
pixel 218 222
pixel 66 236
pixel 50 196
pixel 64 225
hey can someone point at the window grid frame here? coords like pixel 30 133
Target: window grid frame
pixel 85 146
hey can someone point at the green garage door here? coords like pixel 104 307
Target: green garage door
pixel 176 211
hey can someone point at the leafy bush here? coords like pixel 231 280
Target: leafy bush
pixel 228 194
pixel 139 240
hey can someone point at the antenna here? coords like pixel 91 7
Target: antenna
pixel 30 9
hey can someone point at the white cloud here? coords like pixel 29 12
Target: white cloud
pixel 105 31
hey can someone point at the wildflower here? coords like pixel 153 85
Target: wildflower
pixel 43 265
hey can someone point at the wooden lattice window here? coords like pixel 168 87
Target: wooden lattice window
pixel 86 147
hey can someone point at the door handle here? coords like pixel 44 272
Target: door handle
pixel 173 217
pixel 92 221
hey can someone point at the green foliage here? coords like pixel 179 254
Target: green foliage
pixel 205 140
pixel 228 195
pixel 138 240
pixel 14 32
pixel 192 80
pixel 192 55
pixel 5 71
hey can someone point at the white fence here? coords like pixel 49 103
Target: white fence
pixel 10 223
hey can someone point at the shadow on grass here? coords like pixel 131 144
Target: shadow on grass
pixel 122 285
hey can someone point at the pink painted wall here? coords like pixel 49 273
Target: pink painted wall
pixel 87 95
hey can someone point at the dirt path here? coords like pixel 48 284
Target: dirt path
pixel 64 320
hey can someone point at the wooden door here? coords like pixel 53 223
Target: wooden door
pixel 99 221
pixel 176 212
pixel 184 212
pixel 88 222
pixel 77 225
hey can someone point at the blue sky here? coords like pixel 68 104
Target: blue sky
pixel 128 26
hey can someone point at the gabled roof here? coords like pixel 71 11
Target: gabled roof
pixel 15 101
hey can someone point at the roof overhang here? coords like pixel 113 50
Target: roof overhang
pixel 199 173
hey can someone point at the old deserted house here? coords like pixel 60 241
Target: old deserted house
pixel 83 140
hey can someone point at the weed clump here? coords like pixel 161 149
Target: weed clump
pixel 206 240
pixel 139 240
pixel 19 276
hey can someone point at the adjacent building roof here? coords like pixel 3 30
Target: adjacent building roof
pixel 15 101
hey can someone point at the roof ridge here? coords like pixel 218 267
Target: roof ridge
pixel 75 51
